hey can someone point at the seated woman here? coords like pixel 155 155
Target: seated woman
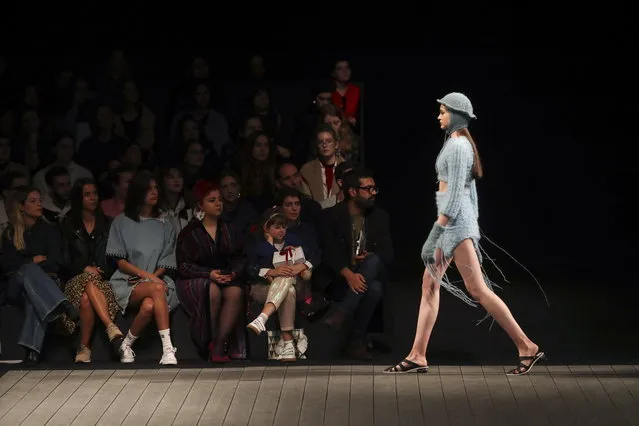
pixel 144 246
pixel 211 263
pixel 31 259
pixel 319 173
pixel 175 205
pixel 282 293
pixel 289 201
pixel 85 231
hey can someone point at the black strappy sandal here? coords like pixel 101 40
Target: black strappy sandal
pixel 523 368
pixel 407 366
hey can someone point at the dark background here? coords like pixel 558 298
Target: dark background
pixel 555 131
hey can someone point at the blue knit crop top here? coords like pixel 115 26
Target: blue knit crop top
pixel 454 166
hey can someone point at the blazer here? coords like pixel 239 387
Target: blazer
pixel 337 239
pixel 312 174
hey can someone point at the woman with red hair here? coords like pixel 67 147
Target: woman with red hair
pixel 211 261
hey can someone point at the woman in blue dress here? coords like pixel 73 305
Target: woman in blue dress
pixel 144 245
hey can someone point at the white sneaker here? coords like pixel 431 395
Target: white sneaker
pixel 168 357
pixel 127 355
pixel 257 326
pixel 287 352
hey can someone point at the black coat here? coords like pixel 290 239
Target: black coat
pixel 337 240
pixel 81 250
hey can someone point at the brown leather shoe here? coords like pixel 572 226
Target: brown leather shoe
pixel 357 350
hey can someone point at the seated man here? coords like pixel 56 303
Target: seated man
pixel 357 249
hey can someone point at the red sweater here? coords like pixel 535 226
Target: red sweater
pixel 348 103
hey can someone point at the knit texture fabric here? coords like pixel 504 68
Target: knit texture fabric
pixel 460 204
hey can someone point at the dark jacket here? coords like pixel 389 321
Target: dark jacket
pixel 197 254
pixel 42 239
pixel 337 241
pixel 81 250
pixel 260 254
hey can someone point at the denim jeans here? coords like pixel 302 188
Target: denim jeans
pixel 363 305
pixel 43 302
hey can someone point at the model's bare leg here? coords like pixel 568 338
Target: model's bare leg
pixel 470 270
pixel 428 310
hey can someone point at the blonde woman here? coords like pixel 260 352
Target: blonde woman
pixel 31 259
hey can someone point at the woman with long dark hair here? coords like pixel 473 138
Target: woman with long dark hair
pixel 143 245
pixel 31 261
pixel 85 231
pixel 455 236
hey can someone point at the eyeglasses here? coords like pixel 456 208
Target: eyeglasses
pixel 369 189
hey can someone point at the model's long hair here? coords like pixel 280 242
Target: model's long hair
pixel 16 219
pixel 478 169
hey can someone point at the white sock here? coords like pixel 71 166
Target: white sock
pixel 165 336
pixel 130 339
pixel 262 318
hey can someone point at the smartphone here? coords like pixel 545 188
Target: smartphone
pixel 225 272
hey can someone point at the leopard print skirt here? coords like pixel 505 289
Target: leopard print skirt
pixel 74 289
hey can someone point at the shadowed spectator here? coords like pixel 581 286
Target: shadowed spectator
pixel 63 153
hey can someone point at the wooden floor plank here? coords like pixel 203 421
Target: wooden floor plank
pixel 127 398
pixel 552 402
pixel 432 397
pixel 579 406
pixel 268 397
pixel 385 398
pixel 80 398
pixel 290 404
pixel 314 403
pixel 39 393
pixel 55 400
pixel 174 397
pixel 92 411
pixel 481 404
pixel 241 407
pixel 218 404
pixel 596 395
pixel 338 396
pixel 617 392
pixel 409 403
pixel 9 379
pixel 508 411
pixel 143 409
pixel 457 404
pixel 193 406
pixel 20 390
pixel 528 401
pixel 630 378
pixel 362 410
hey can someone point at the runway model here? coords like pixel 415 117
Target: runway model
pixel 455 236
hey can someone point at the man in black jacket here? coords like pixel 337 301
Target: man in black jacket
pixel 357 252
